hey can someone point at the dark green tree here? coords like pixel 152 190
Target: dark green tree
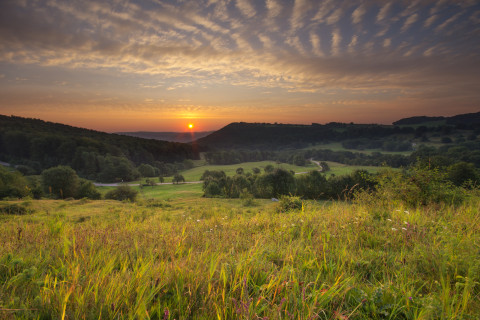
pixel 461 172
pixel 177 178
pixel 146 170
pixel 61 181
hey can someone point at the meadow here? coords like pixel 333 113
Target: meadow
pixel 181 256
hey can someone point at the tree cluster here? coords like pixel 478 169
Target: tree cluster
pixel 278 182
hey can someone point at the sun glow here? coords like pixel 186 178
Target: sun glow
pixel 190 126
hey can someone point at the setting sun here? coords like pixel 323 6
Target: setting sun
pixel 190 126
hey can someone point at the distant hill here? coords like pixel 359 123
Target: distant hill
pixel 465 119
pixel 275 136
pixel 183 137
pixel 37 145
pixel 268 136
pixel 417 120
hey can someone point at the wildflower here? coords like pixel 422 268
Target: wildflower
pixel 405 222
pixel 393 229
pixel 398 210
pixel 389 220
pixel 404 229
pixel 406 211
pixel 198 220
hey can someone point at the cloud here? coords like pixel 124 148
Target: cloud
pixel 409 21
pixel 246 8
pixel 382 14
pixel 336 39
pixel 300 8
pixel 335 16
pixel 430 21
pixel 442 26
pixel 352 44
pixel 316 45
pixel 358 14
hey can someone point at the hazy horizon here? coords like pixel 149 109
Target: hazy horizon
pixel 160 65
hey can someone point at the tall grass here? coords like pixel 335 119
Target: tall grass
pixel 215 261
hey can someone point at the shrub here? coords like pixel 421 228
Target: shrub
pixel 12 184
pixel 419 186
pixel 289 203
pixel 122 193
pixel 247 198
pixel 15 209
pixel 88 190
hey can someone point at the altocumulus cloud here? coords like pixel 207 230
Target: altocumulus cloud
pixel 411 48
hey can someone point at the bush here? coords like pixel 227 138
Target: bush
pixel 419 186
pixel 247 198
pixel 12 184
pixel 15 209
pixel 289 203
pixel 88 190
pixel 122 193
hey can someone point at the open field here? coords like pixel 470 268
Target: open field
pixel 215 259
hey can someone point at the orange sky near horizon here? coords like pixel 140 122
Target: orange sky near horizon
pixel 159 65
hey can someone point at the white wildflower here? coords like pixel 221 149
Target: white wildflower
pixel 389 220
pixel 406 212
pixel 393 229
pixel 404 229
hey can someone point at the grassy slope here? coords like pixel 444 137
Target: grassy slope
pixel 212 258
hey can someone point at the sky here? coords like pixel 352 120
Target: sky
pixel 157 65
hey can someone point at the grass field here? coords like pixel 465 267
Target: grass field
pixel 215 259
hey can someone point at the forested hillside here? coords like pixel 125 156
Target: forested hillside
pixel 397 137
pixel 34 145
pixel 276 136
